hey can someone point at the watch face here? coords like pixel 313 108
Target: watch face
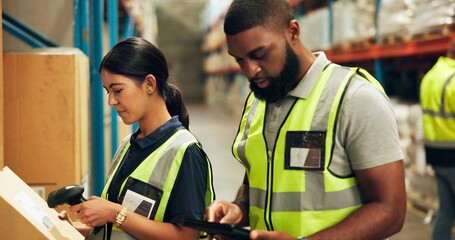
pixel 120 217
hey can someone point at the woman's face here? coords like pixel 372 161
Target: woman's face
pixel 127 96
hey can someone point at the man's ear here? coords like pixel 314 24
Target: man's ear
pixel 150 84
pixel 293 30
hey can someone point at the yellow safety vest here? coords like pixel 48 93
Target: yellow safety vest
pixel 288 191
pixel 160 170
pixel 437 96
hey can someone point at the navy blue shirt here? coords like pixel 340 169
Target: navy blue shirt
pixel 188 194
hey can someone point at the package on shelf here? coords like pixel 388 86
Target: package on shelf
pixel 408 116
pixel 431 16
pixel 314 30
pixel 420 183
pixel 365 11
pixel 344 25
pixel 394 18
pixel 415 121
pixel 401 111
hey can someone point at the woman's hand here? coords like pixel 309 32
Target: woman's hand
pixel 80 227
pixel 63 215
pixel 96 211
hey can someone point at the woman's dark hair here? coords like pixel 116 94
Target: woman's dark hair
pixel 245 14
pixel 136 58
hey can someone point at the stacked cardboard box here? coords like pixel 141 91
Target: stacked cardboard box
pixel 46 117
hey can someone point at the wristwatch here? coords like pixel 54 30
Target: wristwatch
pixel 120 217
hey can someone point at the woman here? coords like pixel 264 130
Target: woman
pixel 160 174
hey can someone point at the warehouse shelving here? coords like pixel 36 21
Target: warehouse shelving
pixel 372 56
pixel 433 45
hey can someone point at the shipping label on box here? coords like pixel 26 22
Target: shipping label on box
pixel 25 215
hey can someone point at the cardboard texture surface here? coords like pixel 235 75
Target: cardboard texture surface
pixel 25 215
pixel 46 116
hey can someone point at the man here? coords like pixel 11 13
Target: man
pixel 437 96
pixel 318 141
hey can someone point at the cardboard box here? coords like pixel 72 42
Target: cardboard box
pixel 25 215
pixel 46 116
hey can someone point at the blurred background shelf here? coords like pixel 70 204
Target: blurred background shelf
pixel 437 44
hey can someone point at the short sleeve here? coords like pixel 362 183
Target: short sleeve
pixel 367 134
pixel 187 199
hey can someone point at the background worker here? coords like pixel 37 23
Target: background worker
pixel 318 141
pixel 160 174
pixel 437 98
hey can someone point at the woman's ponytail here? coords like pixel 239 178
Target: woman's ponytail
pixel 175 105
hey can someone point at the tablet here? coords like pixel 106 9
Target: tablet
pixel 218 228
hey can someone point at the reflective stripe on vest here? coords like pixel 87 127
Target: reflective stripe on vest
pixel 159 169
pixel 437 94
pixel 302 202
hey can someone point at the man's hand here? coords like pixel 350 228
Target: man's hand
pixel 223 212
pixel 266 235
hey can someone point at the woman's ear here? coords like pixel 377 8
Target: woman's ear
pixel 150 84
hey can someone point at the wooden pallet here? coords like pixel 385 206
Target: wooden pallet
pixel 340 47
pixel 393 39
pixel 362 44
pixel 434 32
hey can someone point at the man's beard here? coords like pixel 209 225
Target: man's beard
pixel 283 83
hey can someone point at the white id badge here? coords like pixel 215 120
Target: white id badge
pixel 138 203
pixel 304 150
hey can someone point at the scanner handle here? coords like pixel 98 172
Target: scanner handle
pixel 77 201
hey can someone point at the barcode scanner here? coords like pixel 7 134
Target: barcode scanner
pixel 70 195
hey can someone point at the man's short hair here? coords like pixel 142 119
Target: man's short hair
pixel 245 14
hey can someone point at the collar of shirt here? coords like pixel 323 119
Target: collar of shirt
pixel 161 132
pixel 309 80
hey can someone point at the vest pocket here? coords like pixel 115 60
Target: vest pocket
pixel 305 150
pixel 140 197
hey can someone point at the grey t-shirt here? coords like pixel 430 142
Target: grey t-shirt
pixel 366 134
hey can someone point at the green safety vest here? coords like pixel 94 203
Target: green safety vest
pixel 437 96
pixel 160 170
pixel 300 200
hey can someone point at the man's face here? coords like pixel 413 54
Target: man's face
pixel 269 63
